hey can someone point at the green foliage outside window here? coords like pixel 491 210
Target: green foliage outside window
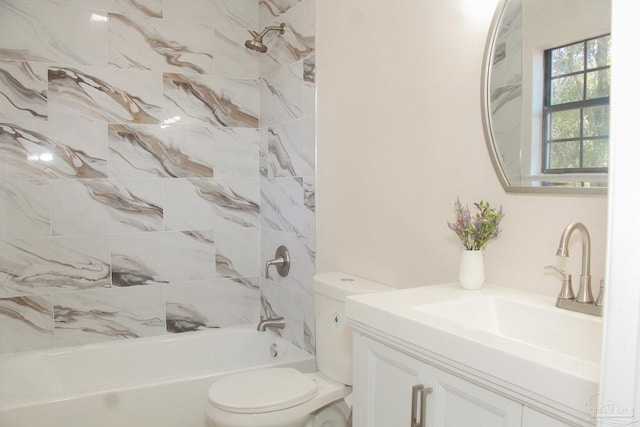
pixel 576 107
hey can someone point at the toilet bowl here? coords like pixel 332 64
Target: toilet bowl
pixel 285 397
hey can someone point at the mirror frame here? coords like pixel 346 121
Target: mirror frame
pixel 509 187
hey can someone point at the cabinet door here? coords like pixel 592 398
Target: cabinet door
pixel 533 418
pixel 383 382
pixel 456 402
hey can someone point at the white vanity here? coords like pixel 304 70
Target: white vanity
pixel 492 357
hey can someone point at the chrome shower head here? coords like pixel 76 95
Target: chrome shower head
pixel 256 42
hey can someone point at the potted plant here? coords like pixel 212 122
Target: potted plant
pixel 475 231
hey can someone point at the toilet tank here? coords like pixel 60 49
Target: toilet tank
pixel 334 352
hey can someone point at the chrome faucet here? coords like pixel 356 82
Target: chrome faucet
pixel 277 323
pixel 583 301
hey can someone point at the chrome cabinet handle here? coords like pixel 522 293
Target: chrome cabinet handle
pixel 419 392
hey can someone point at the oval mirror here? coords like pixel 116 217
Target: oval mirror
pixel 546 120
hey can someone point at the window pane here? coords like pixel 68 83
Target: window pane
pixel 564 155
pixel 567 59
pixel 565 124
pixel 599 52
pixel 596 121
pixel 596 154
pixel 598 84
pixel 566 89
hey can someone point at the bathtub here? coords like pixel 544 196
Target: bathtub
pixel 148 382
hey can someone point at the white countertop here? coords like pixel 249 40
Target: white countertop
pixel 553 353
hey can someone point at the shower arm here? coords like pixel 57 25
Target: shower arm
pixel 259 36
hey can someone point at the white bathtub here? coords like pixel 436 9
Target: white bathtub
pixel 148 382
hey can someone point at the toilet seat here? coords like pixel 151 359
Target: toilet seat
pixel 296 415
pixel 262 390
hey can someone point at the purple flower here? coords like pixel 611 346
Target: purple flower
pixel 475 231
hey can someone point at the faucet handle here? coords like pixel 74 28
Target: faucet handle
pixel 566 292
pixel 282 261
pixel 601 295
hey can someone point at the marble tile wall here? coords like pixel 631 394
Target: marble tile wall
pixel 148 162
pixel 287 163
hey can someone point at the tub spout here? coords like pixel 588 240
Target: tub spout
pixel 276 323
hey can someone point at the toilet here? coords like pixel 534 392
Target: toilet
pixel 285 397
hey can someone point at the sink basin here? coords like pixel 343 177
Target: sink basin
pixel 543 326
pixel 515 338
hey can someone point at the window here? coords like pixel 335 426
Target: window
pixel 576 107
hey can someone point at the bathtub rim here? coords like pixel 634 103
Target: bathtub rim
pixel 303 360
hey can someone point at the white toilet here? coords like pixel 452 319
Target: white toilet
pixel 284 397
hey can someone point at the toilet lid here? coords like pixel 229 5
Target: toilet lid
pixel 262 390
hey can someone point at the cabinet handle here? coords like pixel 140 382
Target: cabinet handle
pixel 423 411
pixel 415 391
pixel 419 392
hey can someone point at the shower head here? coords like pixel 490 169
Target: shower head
pixel 256 42
pixel 256 45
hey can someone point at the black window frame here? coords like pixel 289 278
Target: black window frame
pixel 549 109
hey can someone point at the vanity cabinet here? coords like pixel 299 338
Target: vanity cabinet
pixel 384 379
pixel 383 384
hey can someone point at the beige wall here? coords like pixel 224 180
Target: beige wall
pixel 400 137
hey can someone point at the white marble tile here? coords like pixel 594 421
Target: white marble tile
pixel 238 252
pixel 187 206
pixel 105 206
pixel 47 265
pixel 23 90
pixel 212 304
pixel 283 96
pixel 272 9
pixel 302 255
pixel 32 31
pixel 282 205
pixel 307 304
pixel 298 39
pixel 104 95
pixel 24 208
pixel 156 44
pixel 309 211
pixel 264 152
pixel 236 152
pixel 149 8
pixel 197 99
pixel 309 85
pixel 167 257
pixel 26 323
pixel 108 314
pixel 276 301
pixel 226 13
pixel 53 150
pixel 201 204
pixel 232 59
pixel 146 151
pixel 292 148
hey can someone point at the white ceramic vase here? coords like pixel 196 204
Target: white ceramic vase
pixel 471 274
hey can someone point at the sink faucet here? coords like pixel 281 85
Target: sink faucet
pixel 583 301
pixel 584 291
pixel 277 323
